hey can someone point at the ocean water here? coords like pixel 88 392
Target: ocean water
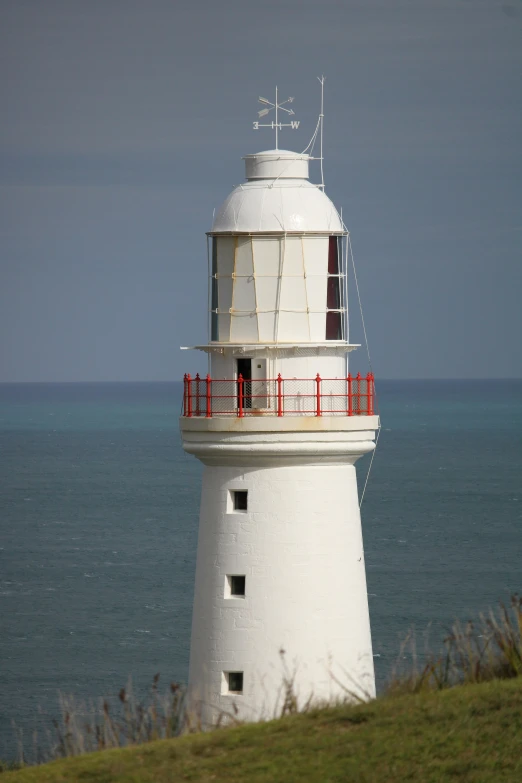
pixel 98 529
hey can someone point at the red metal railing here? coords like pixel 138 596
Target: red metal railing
pixel 279 396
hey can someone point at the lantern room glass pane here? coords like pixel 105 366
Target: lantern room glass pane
pixel 333 294
pixel 333 256
pixel 223 327
pixel 267 256
pixel 226 250
pixel 244 299
pixel 214 294
pixel 293 294
pixel 243 328
pixel 293 263
pixel 244 265
pixel 293 327
pixel 213 314
pixel 315 255
pixel 224 298
pixel 333 326
pixel 266 323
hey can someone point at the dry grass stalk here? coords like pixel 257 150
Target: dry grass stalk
pixel 472 653
pixel 84 727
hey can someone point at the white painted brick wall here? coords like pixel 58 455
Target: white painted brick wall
pixel 300 547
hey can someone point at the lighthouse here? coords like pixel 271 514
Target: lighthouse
pixel 278 422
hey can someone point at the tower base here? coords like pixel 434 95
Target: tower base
pixel 300 623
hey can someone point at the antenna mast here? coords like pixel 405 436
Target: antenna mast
pixel 276 128
pixel 321 118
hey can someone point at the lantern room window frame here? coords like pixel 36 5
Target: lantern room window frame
pixel 214 333
pixel 335 307
pixel 335 323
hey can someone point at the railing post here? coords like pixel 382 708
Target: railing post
pixel 369 391
pixel 189 396
pixel 350 401
pixel 358 394
pixel 279 395
pixel 318 395
pixel 240 383
pixel 209 398
pixel 197 394
pixel 185 394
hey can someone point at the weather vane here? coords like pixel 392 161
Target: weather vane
pixel 276 125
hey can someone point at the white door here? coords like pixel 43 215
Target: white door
pixel 260 384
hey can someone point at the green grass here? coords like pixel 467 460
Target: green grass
pixel 466 733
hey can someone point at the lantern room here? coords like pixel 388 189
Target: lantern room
pixel 277 260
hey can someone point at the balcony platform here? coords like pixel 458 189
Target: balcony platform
pixel 296 349
pixel 271 423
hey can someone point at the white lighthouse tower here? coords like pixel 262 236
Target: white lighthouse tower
pixel 278 424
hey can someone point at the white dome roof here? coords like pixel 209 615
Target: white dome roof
pixel 273 201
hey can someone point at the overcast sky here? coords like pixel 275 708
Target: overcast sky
pixel 123 126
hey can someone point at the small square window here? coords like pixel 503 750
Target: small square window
pixel 234 682
pixel 240 498
pixel 237 585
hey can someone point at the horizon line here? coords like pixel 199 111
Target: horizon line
pixel 378 379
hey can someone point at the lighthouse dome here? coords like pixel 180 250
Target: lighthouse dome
pixel 277 196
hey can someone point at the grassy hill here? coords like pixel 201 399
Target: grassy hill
pixel 466 733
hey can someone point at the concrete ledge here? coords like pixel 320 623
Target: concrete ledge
pixel 292 447
pixel 303 424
